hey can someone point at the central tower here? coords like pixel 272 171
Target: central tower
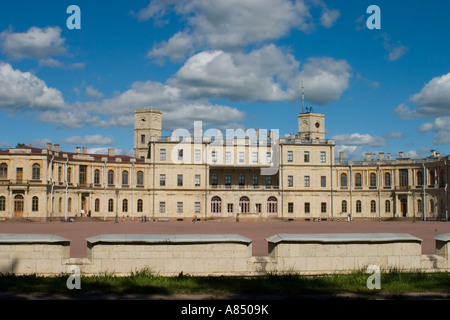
pixel 311 126
pixel 147 127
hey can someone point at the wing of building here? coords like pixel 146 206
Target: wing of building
pixel 214 174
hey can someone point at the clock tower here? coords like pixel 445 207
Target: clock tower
pixel 311 126
pixel 147 128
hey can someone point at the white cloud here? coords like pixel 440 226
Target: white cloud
pixel 94 93
pixel 36 43
pixel 357 139
pixel 96 139
pixel 350 152
pixel 395 51
pixel 21 90
pixel 176 48
pixel 434 98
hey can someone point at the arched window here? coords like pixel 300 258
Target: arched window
pixel 373 180
pixel 110 205
pixel 97 205
pixel 35 204
pixel 140 205
pixel 216 205
pixel 358 206
pixel 244 204
pixel 387 179
pixel 344 206
pixel 3 171
pixel 2 203
pixel 18 204
pixel 60 204
pixel 97 176
pixel 388 206
pixel 343 179
pixel 125 177
pixel 272 205
pixel 36 174
pixel 140 178
pixel 373 206
pixel 125 205
pixel 358 180
pixel 110 177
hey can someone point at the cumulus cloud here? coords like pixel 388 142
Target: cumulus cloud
pixel 36 43
pixel 96 139
pixel 434 98
pixel 94 93
pixel 19 90
pixel 357 139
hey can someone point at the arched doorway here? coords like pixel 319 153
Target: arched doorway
pixel 272 206
pixel 18 205
pixel 216 206
pixel 244 205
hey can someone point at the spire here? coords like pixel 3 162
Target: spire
pixel 303 99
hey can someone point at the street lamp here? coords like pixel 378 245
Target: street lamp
pixel 117 206
pixel 414 207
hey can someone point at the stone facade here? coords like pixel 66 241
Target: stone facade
pixel 215 174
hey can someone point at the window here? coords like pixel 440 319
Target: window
pixel 373 180
pixel 255 157
pixel 180 154
pixel 180 207
pixel 323 157
pixel 60 204
pixel 244 204
pixel 97 205
pixel 69 204
pixel 69 175
pixel 142 138
pixel 2 203
pixel 162 180
pixel 241 157
pixel 228 157
pixel 241 179
pixel 272 205
pixel 214 156
pixel 432 206
pixel 258 208
pixel 323 181
pixel 36 175
pixel 306 156
pixel 419 178
pixel 227 179
pixel 82 174
pixel 255 179
pixel 358 181
pixel 3 171
pixel 140 178
pixel 60 174
pixel 290 181
pixel 216 205
pixel 110 177
pixel 97 177
pixel 404 177
pixel 180 180
pixel 307 207
pixel 343 180
pixel 387 206
pixel 323 207
pixel 197 207
pixel 268 180
pixel 125 178
pixel 124 205
pixel 290 207
pixel 214 179
pixel 306 181
pixel 198 155
pixel 110 205
pixel 290 156
pixel 230 208
pixel 344 206
pixel 419 206
pixel 358 206
pixel 162 154
pixel 387 179
pixel 140 205
pixel 373 206
pixel 197 180
pixel 162 207
pixel 268 157
pixel 35 204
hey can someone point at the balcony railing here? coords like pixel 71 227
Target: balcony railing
pixel 243 187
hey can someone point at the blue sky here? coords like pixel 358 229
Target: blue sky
pixel 231 64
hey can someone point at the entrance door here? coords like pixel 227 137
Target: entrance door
pixel 18 206
pixel 244 205
pixel 404 207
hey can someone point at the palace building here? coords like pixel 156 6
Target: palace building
pixel 215 174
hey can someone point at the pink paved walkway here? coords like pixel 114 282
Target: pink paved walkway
pixel 77 232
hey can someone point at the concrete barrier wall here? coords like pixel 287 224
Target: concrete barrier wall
pixel 222 254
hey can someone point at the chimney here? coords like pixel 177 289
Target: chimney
pixel 78 149
pixel 400 154
pixel 110 152
pixel 84 150
pixel 368 156
pixel 341 156
pixel 381 156
pixel 432 153
pixel 56 147
pixel 389 156
pixel 49 146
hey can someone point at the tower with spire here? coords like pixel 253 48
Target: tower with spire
pixel 311 125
